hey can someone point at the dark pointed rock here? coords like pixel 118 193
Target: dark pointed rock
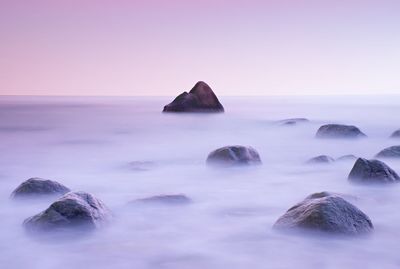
pixel 325 212
pixel 372 172
pixel 201 98
pixel 234 155
pixel 322 159
pixel 73 211
pixel 166 199
pixel 390 152
pixel 39 188
pixel 339 131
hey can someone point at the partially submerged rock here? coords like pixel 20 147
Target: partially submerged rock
pixel 349 157
pixel 141 166
pixel 201 98
pixel 396 134
pixel 166 199
pixel 325 212
pixel 74 211
pixel 234 155
pixel 390 152
pixel 322 159
pixel 372 172
pixel 293 121
pixel 39 188
pixel 339 131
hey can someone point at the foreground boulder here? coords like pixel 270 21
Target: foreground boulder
pixel 234 155
pixel 201 98
pixel 396 134
pixel 166 199
pixel 322 159
pixel 373 172
pixel 39 188
pixel 339 131
pixel 326 212
pixel 73 211
pixel 390 152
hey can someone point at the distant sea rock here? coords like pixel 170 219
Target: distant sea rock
pixel 372 172
pixel 390 152
pixel 396 134
pixel 166 199
pixel 322 159
pixel 349 157
pixel 294 121
pixel 326 212
pixel 234 155
pixel 74 211
pixel 339 131
pixel 201 98
pixel 39 188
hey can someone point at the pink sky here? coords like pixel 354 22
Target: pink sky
pixel 149 47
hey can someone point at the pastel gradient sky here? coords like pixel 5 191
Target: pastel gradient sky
pixel 243 47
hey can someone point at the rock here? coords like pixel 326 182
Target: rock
pixel 390 152
pixel 396 134
pixel 39 188
pixel 201 98
pixel 349 157
pixel 167 199
pixel 322 159
pixel 372 171
pixel 293 121
pixel 325 212
pixel 339 131
pixel 141 165
pixel 73 211
pixel 234 155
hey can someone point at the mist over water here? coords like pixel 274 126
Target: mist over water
pixel 89 144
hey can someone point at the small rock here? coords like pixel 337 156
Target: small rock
pixel 74 210
pixel 390 152
pixel 201 98
pixel 322 159
pixel 234 155
pixel 141 165
pixel 339 131
pixel 396 134
pixel 372 171
pixel 327 213
pixel 167 199
pixel 39 188
pixel 349 157
pixel 293 121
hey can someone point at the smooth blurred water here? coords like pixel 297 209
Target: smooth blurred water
pixel 88 143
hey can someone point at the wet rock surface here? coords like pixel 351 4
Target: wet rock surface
pixel 328 213
pixel 39 188
pixel 74 211
pixel 339 131
pixel 234 155
pixel 372 172
pixel 201 98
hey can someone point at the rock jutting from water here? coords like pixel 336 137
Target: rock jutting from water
pixel 200 98
pixel 39 188
pixel 234 155
pixel 322 159
pixel 396 134
pixel 372 172
pixel 339 131
pixel 78 211
pixel 348 157
pixel 328 213
pixel 165 199
pixel 390 152
pixel 294 121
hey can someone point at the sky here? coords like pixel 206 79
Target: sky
pixel 239 47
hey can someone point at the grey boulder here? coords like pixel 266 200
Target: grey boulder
pixel 339 131
pixel 200 98
pixel 349 157
pixel 372 172
pixel 39 188
pixel 396 134
pixel 322 159
pixel 234 155
pixel 390 152
pixel 328 213
pixel 73 211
